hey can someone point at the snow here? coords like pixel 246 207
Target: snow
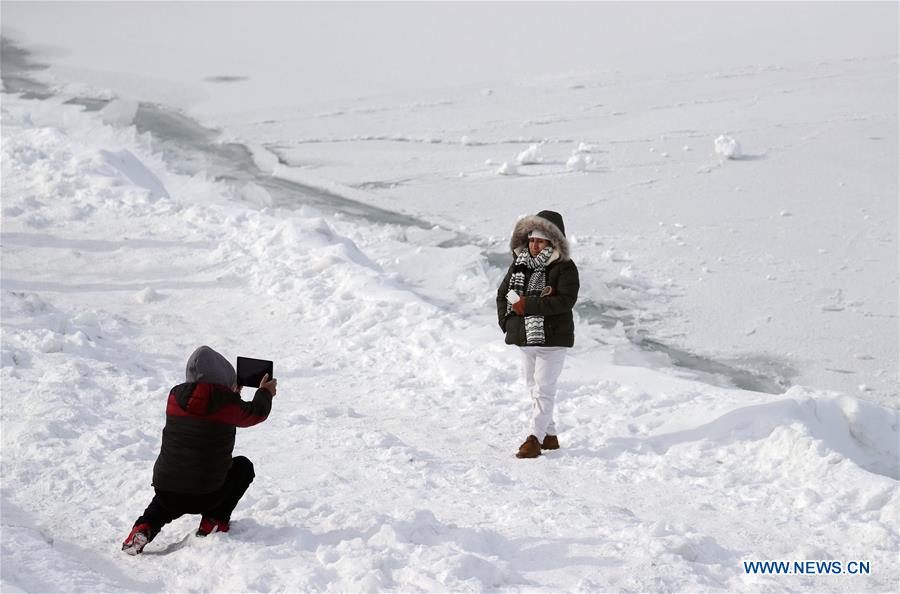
pixel 578 162
pixel 533 155
pixel 119 113
pixel 732 392
pixel 508 168
pixel 727 147
pixel 126 167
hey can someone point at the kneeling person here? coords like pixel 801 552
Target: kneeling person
pixel 195 472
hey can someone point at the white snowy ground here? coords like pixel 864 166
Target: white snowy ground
pixel 387 463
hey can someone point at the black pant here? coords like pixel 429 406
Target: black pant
pixel 218 505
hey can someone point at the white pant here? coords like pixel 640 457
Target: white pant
pixel 542 366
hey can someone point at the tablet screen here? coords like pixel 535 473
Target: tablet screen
pixel 251 371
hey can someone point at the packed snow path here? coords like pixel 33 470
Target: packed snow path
pixel 387 463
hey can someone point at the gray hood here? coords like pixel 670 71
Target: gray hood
pixel 208 366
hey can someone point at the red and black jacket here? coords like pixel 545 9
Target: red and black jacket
pixel 198 439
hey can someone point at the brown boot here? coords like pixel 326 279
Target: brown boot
pixel 530 449
pixel 550 443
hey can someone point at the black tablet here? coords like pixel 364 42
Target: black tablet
pixel 251 371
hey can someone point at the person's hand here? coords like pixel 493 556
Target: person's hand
pixel 269 384
pixel 519 306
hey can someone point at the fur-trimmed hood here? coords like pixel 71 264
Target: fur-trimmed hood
pixel 547 222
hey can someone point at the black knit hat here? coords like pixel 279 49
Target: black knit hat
pixel 555 218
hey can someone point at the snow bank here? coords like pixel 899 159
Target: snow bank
pixel 855 430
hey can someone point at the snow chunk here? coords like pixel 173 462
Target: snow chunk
pixel 508 169
pixel 87 319
pixel 130 167
pixel 578 162
pixel 256 194
pixel 50 344
pixel 727 147
pixel 119 113
pixel 148 295
pixel 530 156
pixel 28 304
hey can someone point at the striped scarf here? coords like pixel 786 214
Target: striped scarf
pixel 534 325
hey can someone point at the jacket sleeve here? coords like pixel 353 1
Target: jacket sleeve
pixel 564 296
pixel 241 413
pixel 501 297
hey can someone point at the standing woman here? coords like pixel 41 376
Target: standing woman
pixel 534 308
